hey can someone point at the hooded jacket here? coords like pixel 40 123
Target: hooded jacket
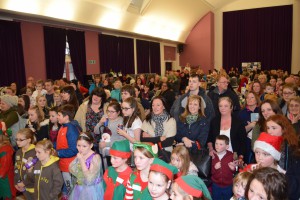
pixel 48 180
pixel 21 171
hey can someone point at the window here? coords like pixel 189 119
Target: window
pixel 68 70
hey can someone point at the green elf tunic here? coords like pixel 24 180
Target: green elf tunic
pixel 115 183
pixel 135 187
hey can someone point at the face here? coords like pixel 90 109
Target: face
pixel 157 185
pixel 137 92
pixel 21 101
pixel 65 96
pixel 32 115
pixel 274 128
pixel 41 154
pixel 225 107
pixel 262 79
pixel 57 97
pixel 269 90
pixel 223 84
pixel 164 87
pixel 294 107
pixel 256 88
pixel 22 141
pixel 251 101
pixel 194 107
pixel 125 95
pixel 126 109
pixel 279 81
pixel 62 119
pixel 96 100
pixel 39 87
pixel 175 195
pixel 48 86
pixel 257 191
pixel 194 83
pixel 117 162
pixel 13 86
pixel 112 113
pixel 176 161
pixel 263 158
pixel 4 106
pixel 97 80
pixel 157 107
pixel 84 147
pixel 273 82
pixel 239 189
pixel 220 146
pixel 267 110
pixel 287 94
pixel 42 101
pixel 141 161
pixel 28 92
pixel 8 92
pixel 117 85
pixel 53 117
pixel 74 86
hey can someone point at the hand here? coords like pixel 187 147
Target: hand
pixel 162 138
pixel 145 134
pixel 179 144
pixel 187 142
pixel 232 165
pixel 294 121
pixel 103 120
pixel 251 124
pixel 80 157
pixel 212 153
pixel 121 132
pixel 21 185
pixel 3 126
pixel 102 145
pixel 218 165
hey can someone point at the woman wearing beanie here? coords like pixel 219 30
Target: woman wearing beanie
pixel 189 187
pixel 267 152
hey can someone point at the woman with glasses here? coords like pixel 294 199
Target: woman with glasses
pixel 294 113
pixel 289 90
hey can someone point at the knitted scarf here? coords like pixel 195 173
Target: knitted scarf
pixel 159 119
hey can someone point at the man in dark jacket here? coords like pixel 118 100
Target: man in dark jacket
pixel 194 89
pixel 222 90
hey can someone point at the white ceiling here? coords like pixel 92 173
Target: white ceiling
pixel 166 19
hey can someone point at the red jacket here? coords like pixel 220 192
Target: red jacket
pixel 223 176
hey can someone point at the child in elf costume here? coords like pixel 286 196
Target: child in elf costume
pixel 160 178
pixel 144 154
pixel 117 175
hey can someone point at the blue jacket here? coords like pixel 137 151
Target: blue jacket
pixel 197 131
pixel 93 86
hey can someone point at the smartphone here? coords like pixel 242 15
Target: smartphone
pixel 254 117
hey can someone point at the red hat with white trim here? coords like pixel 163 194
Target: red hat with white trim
pixel 120 149
pixel 270 144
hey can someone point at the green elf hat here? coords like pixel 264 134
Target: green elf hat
pixel 193 185
pixel 120 149
pixel 161 166
pixel 153 149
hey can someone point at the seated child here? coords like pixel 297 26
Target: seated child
pixel 239 185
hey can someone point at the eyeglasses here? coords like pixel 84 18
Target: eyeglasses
pixel 294 105
pixel 125 108
pixel 110 111
pixel 20 140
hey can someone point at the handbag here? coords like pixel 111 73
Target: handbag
pixel 200 157
pixel 163 154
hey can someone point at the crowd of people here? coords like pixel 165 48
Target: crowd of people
pixel 135 137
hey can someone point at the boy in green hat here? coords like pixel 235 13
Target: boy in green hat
pixel 189 187
pixel 117 175
pixel 160 177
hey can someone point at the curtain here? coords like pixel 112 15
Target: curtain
pixel 125 55
pixel 154 57
pixel 108 50
pixel 143 56
pixel 11 54
pixel 76 42
pixel 258 35
pixel 55 46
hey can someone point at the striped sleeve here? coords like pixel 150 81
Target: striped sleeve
pixel 129 191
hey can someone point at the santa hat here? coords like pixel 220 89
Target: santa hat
pixel 161 166
pixel 193 185
pixel 10 100
pixel 270 144
pixel 153 149
pixel 120 149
